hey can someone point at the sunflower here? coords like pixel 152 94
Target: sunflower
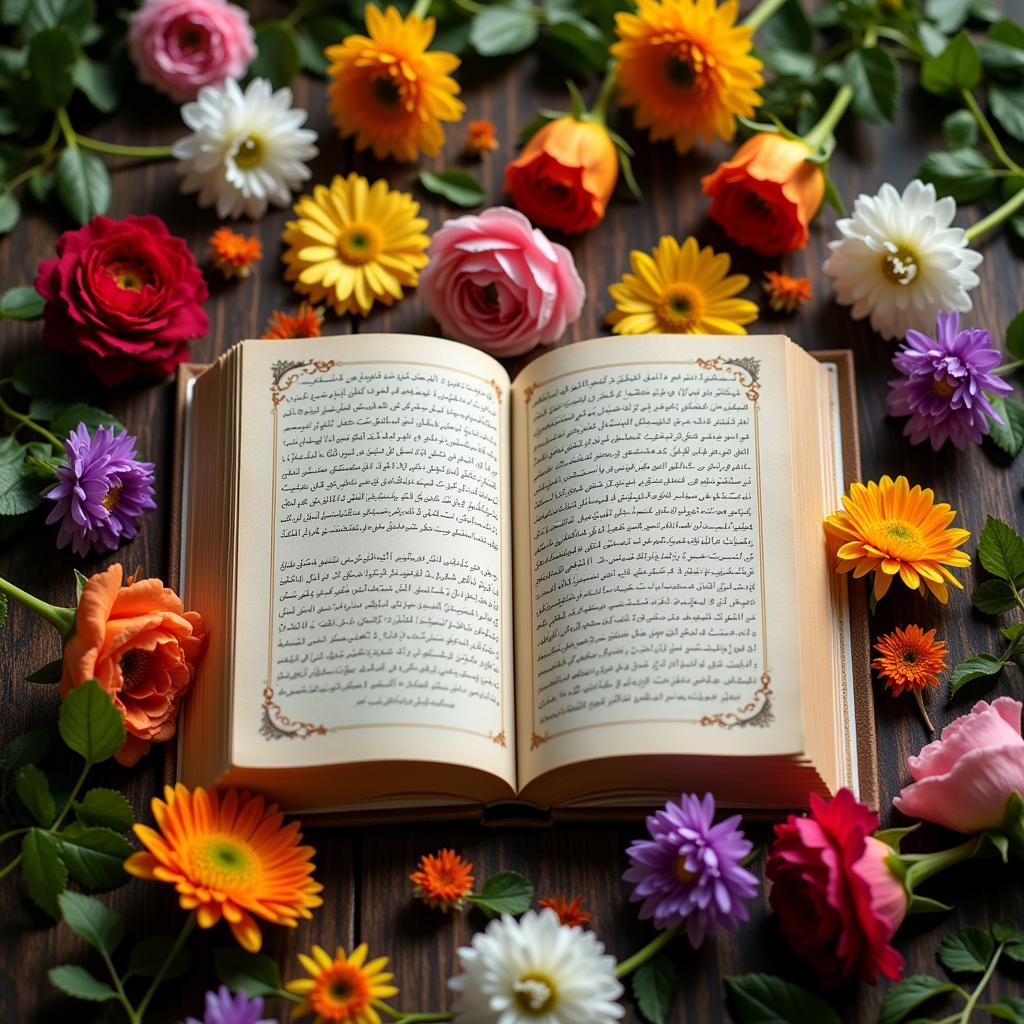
pixel 228 855
pixel 680 290
pixel 342 988
pixel 355 244
pixel 306 323
pixel 892 529
pixel 686 68
pixel 388 91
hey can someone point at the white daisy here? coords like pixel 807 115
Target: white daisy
pixel 900 262
pixel 245 148
pixel 536 971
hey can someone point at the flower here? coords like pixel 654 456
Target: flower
pixel 178 46
pixel 496 282
pixel 838 902
pixel 443 880
pixel 900 261
pixel 890 528
pixel 126 294
pixel 570 912
pixel 786 294
pixel 306 323
pixel 234 254
pixel 686 68
pixel 388 91
pixel 965 779
pixel 689 871
pixel 565 175
pixel 246 149
pixel 947 384
pixel 228 855
pixel 142 647
pixel 101 491
pixel 680 290
pixel 767 194
pixel 516 972
pixel 222 1008
pixel 481 137
pixel 342 988
pixel 354 243
pixel 910 659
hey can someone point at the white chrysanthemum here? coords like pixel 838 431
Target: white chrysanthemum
pixel 900 262
pixel 536 971
pixel 246 149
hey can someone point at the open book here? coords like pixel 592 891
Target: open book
pixel 432 589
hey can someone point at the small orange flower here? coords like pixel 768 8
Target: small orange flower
pixel 305 323
pixel 481 137
pixel 234 253
pixel 570 912
pixel 343 987
pixel 911 659
pixel 786 294
pixel 443 880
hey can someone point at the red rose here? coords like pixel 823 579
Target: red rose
pixel 838 902
pixel 125 294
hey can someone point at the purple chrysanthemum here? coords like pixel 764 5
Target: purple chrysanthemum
pixel 221 1008
pixel 101 492
pixel 947 384
pixel 689 870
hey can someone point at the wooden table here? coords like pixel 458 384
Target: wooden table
pixel 365 872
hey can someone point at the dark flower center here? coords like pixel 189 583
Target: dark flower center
pixel 680 72
pixel 386 92
pixel 128 275
pixel 134 667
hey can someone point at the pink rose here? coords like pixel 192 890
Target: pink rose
pixel 965 779
pixel 178 46
pixel 496 282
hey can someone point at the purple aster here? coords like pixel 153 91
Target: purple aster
pixel 221 1008
pixel 948 384
pixel 689 870
pixel 101 492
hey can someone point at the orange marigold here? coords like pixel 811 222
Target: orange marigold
pixel 786 294
pixel 306 323
pixel 570 912
pixel 234 253
pixel 481 136
pixel 910 660
pixel 443 880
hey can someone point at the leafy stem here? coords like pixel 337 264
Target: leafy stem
pixel 8 868
pixel 66 130
pixel 996 217
pixel 641 956
pixel 116 149
pixel 989 132
pixel 421 8
pixel 62 619
pixel 71 796
pixel 27 421
pixel 1008 368
pixel 973 998
pixel 761 13
pixel 179 942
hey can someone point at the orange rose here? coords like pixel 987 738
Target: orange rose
pixel 142 647
pixel 565 175
pixel 767 194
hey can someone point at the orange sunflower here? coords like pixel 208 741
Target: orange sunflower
pixel 686 68
pixel 892 529
pixel 228 855
pixel 443 880
pixel 388 91
pixel 570 912
pixel 342 988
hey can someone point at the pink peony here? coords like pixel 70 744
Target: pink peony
pixel 496 282
pixel 965 779
pixel 178 46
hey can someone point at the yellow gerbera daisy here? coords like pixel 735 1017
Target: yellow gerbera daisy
pixel 680 290
pixel 388 91
pixel 355 244
pixel 686 66
pixel 228 855
pixel 342 987
pixel 892 529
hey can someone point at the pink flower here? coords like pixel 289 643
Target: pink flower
pixel 178 46
pixel 965 779
pixel 496 282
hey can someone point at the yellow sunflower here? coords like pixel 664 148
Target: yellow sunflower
pixel 355 244
pixel 388 91
pixel 686 66
pixel 892 529
pixel 680 290
pixel 342 988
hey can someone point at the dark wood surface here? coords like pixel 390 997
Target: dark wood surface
pixel 365 872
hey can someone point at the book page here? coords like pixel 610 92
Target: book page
pixel 375 607
pixel 655 551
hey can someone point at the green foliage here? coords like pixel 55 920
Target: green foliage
pixel 150 955
pixel 654 988
pixel 765 999
pixel 105 808
pixel 34 793
pixel 506 892
pixel 964 174
pixel 875 80
pixel 978 666
pixel 502 29
pixel 94 855
pixel 277 53
pixel 966 951
pixel 83 184
pixel 246 972
pixel 90 724
pixel 92 920
pixel 458 187
pixel 76 981
pixel 960 130
pixel 909 994
pixel 43 869
pixel 957 67
pixel 21 303
pixel 68 417
pixel 1009 434
pixel 1001 551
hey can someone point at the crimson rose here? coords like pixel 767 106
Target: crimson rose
pixel 125 294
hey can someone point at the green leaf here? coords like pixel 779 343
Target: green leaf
pixel 19 490
pixel 978 666
pixel 966 951
pixel 49 674
pixel 316 34
pixel 1009 32
pixel 105 808
pixel 94 856
pixel 1011 1008
pixel 458 187
pixel 1015 951
pixel 45 372
pixel 91 920
pixel 654 988
pixel 1007 931
pixel 960 129
pixel 277 54
pixel 80 581
pixel 832 196
pixel 894 836
pixel 78 982
pixel 948 15
pixel 10 212
pixel 246 972
pixel 26 748
pixel 534 125
pixel 97 82
pixel 1000 843
pixel 910 993
pixel 90 724
pixel 83 184
pixel 21 303
pixel 965 174
pixel 875 79
pixel 149 956
pixel 44 871
pixel 67 419
pixel 34 792
pixel 582 51
pixel 1001 551
pixel 925 905
pixel 788 29
pixel 957 67
pixel 502 29
pixel 1007 106
pixel 1015 336
pixel 1008 435
pixel 765 999
pixel 994 597
pixel 506 892
pixel 1000 57
pixel 51 56
pixel 75 15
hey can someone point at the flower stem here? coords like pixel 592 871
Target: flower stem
pixel 1006 368
pixel 641 957
pixel 65 126
pixel 761 13
pixel 122 996
pixel 179 942
pixel 470 6
pixel 420 8
pixel 401 1017
pixel 71 796
pixel 27 421
pixel 989 132
pixel 8 868
pixel 62 619
pixel 919 697
pixel 996 217
pixel 924 865
pixel 116 149
pixel 599 111
pixel 12 834
pixel 973 998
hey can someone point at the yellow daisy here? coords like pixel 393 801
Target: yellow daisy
pixel 342 988
pixel 686 66
pixel 355 244
pixel 680 290
pixel 388 91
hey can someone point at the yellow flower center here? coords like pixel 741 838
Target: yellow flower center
pixel 223 861
pixel 535 994
pixel 112 498
pixel 359 243
pixel 342 992
pixel 685 876
pixel 250 152
pixel 134 668
pixel 942 388
pixel 899 530
pixel 129 277
pixel 899 264
pixel 679 308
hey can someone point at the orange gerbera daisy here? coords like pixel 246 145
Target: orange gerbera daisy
pixel 228 855
pixel 570 912
pixel 481 136
pixel 342 988
pixel 892 529
pixel 686 68
pixel 786 294
pixel 388 91
pixel 443 880
pixel 910 659
pixel 234 253
pixel 305 323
